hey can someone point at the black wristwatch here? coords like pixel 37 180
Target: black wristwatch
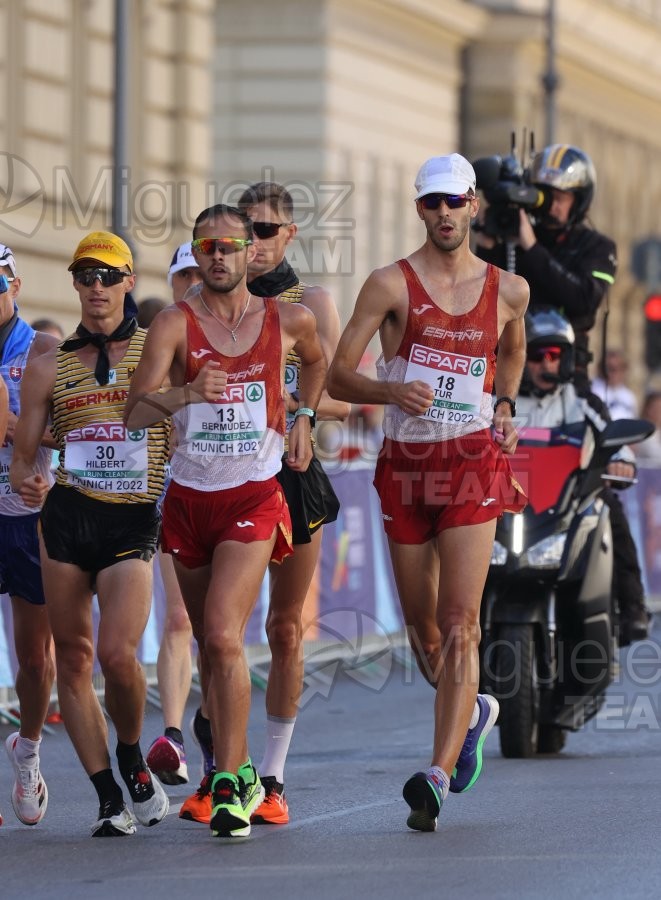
pixel 508 400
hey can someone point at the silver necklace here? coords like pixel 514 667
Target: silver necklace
pixel 213 315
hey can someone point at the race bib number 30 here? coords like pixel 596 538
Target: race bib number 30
pixel 233 427
pixel 457 381
pixel 106 456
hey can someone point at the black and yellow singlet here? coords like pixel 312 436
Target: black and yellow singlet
pixel 99 456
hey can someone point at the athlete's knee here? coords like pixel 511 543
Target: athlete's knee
pixel 177 624
pixel 74 661
pixel 35 662
pixel 118 662
pixel 284 634
pixel 460 630
pixel 426 653
pixel 222 646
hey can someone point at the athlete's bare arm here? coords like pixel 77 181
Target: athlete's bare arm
pixel 320 302
pixel 512 304
pixel 299 332
pixel 381 305
pixel 36 394
pixel 41 344
pixel 162 361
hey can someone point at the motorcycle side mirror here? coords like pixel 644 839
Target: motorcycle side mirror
pixel 625 431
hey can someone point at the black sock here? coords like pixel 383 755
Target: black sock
pixel 202 727
pixel 175 735
pixel 107 788
pixel 128 757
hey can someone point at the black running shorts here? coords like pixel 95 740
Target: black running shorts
pixel 94 535
pixel 311 499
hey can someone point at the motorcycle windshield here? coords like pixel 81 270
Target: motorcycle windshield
pixel 544 461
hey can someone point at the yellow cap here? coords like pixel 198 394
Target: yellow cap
pixel 103 247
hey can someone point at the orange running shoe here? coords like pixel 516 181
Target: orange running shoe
pixel 197 807
pixel 273 809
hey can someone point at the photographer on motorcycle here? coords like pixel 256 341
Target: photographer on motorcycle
pixel 547 399
pixel 568 265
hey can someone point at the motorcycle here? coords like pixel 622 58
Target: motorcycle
pixel 548 616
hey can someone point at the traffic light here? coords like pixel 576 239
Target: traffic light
pixel 653 332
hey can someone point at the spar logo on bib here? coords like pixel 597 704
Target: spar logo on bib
pixel 254 392
pixel 478 367
pixel 233 394
pixel 456 363
pixel 108 431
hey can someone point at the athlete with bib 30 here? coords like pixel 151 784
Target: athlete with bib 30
pixel 443 481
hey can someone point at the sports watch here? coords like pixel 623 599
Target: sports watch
pixel 306 411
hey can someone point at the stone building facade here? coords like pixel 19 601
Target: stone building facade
pixel 339 99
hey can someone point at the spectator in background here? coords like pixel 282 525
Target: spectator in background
pixel 611 387
pixel 650 450
pixel 48 326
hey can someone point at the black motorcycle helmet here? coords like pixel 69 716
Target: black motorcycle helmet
pixel 544 328
pixel 566 168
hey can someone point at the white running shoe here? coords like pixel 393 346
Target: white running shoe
pixel 29 796
pixel 113 822
pixel 150 802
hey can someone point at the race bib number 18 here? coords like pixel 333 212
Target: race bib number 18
pixel 456 379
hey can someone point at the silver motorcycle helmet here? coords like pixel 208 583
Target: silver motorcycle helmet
pixel 566 168
pixel 547 327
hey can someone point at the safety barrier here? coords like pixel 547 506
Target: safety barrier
pixel 352 601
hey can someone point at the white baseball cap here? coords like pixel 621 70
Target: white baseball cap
pixel 451 174
pixel 7 259
pixel 183 259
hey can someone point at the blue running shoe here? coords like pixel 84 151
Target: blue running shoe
pixel 424 797
pixel 469 765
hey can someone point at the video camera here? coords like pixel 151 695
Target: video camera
pixel 504 183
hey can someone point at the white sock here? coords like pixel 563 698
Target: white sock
pixel 278 738
pixel 442 779
pixel 26 749
pixel 476 715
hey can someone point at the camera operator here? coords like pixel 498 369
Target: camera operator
pixel 546 400
pixel 568 265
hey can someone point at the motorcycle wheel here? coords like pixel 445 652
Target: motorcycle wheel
pixel 551 739
pixel 518 691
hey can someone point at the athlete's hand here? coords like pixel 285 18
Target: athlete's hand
pixel 299 454
pixel 33 490
pixel 505 433
pixel 413 398
pixel 209 384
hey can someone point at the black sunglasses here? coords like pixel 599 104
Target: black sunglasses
pixel 452 201
pixel 107 277
pixel 265 230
